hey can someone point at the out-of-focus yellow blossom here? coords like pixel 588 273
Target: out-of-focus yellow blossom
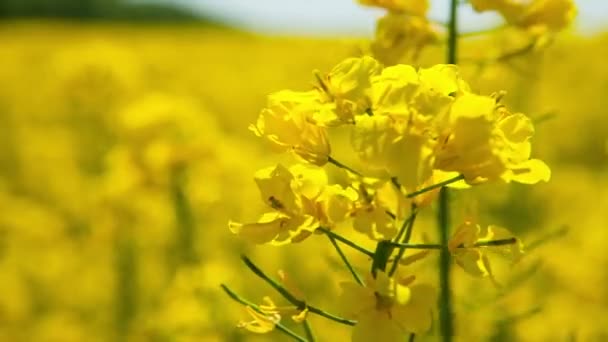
pixel 537 16
pixel 263 322
pixel 401 35
pixel 508 8
pixel 269 315
pixel 160 133
pixel 552 15
pixel 473 258
pixel 386 309
pixel 412 7
pixel 483 141
pixel 287 123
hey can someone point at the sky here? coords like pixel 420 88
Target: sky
pixel 346 17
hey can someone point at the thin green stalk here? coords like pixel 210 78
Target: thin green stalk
pixel 329 316
pixel 544 117
pixel 342 166
pixel 183 250
pixel 561 232
pixel 245 302
pixel 404 226
pixel 409 223
pixel 126 293
pixel 489 243
pixel 445 300
pixel 300 304
pixel 435 186
pixel 345 260
pixel 346 241
pixel 308 330
pixel 278 287
pixel 452 54
pixel 443 217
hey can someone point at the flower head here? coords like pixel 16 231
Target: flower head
pixel 483 141
pixel 411 7
pixel 537 16
pixel 401 35
pixel 387 308
pixel 471 243
pixel 301 201
pixel 287 123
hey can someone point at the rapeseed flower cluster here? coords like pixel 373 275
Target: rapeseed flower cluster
pixel 412 131
pixel 403 31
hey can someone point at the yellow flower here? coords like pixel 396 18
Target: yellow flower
pixel 386 309
pixel 378 201
pixel 393 90
pixel 439 85
pixel 276 229
pixel 412 7
pixel 287 123
pixel 467 247
pixel 552 15
pixel 401 35
pixel 269 315
pixel 349 85
pixel 396 146
pixel 483 141
pixel 334 205
pixel 281 191
pixel 262 322
pixel 508 8
pixel 278 187
pixel 302 201
pixel 537 16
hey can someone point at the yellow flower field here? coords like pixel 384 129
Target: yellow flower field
pixel 125 152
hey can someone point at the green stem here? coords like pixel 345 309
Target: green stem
pixel 342 166
pixel 445 300
pixel 443 217
pixel 126 291
pixel 345 260
pixel 184 248
pixel 489 243
pixel 329 316
pixel 346 241
pixel 561 232
pixel 453 33
pixel 404 226
pixel 544 117
pixel 409 223
pixel 278 287
pixel 309 333
pixel 435 186
pixel 300 304
pixel 245 302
